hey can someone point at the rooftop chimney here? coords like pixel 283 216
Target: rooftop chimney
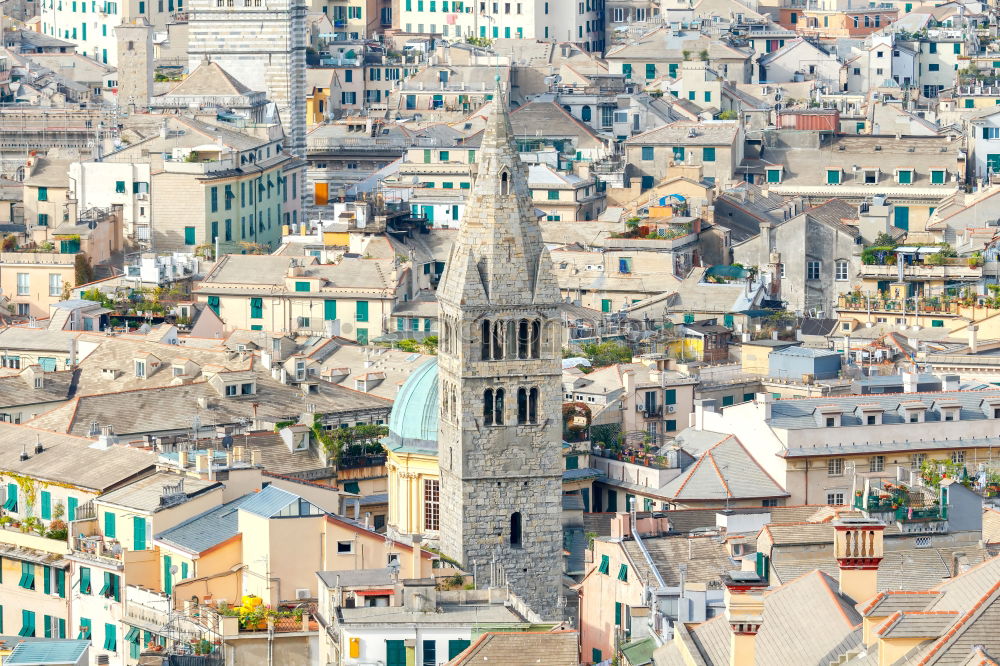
pixel 764 401
pixel 415 563
pixel 857 545
pixel 973 340
pixel 744 599
pixel 909 383
pixel 701 406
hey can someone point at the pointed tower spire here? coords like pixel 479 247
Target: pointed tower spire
pixel 500 243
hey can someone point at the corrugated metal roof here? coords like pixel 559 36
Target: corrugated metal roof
pixel 208 529
pixel 55 652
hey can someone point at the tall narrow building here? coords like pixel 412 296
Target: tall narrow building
pixel 262 44
pixel 499 431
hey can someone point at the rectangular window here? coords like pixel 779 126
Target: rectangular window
pixel 301 286
pixel 120 187
pixel 937 176
pixel 43 194
pixel 605 565
pixel 55 284
pixel 27 624
pixel 361 311
pixel 647 153
pixel 904 176
pixel 138 533
pixel 109 524
pixel 678 152
pixel 835 498
pixel 708 154
pixel 774 175
pixel 27 580
pixel 46 505
pixel 43 219
pixel 841 272
pixel 835 467
pixel 432 507
pixel 812 270
pixel 833 176
pixel 110 637
pixel 430 653
pixel 876 464
pixel 23 284
pixel 189 236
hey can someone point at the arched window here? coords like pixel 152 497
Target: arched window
pixel 497 340
pixel 498 408
pixel 511 339
pixel 522 406
pixel 536 338
pixel 504 182
pixel 515 529
pixel 533 406
pixel 487 334
pixel 488 407
pixel 585 114
pixel 522 339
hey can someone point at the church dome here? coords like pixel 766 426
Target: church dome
pixel 413 423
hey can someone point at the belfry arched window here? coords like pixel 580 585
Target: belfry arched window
pixel 504 182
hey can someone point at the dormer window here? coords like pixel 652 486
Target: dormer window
pixel 140 369
pixel 231 390
pixel 247 388
pixel 178 371
pixel 904 176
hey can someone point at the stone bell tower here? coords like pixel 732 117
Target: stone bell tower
pixel 500 440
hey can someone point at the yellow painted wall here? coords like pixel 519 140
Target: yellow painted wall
pixel 407 473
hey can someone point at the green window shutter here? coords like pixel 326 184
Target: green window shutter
pixel 671 425
pixel 605 305
pixel 301 286
pixel 650 71
pixel 774 175
pixel 106 589
pixel 905 177
pixel 10 504
pixel 47 626
pixel 361 310
pixel 85 628
pixel 61 583
pixel 256 308
pixel 110 637
pixel 647 153
pixel 572 462
pixel 138 533
pixel 213 304
pixel 672 70
pixel 456 647
pixel 46 505
pixel 62 628
pixel 85 587
pixel 189 236
pixel 395 653
pixel 670 397
pixel 27 580
pixel 678 153
pixel 970 103
pixel 46 579
pixel 937 323
pixel 71 504
pixel 708 154
pixel 427 157
pixel 596 655
pixel 626 71
pixel 109 524
pixel 184 570
pixel 27 623
pixel 689 318
pixel 728 400
pixel 352 487
pixel 623 573
pixel 647 504
pixel 605 565
pixel 727 320
pixel 747 397
pixel 612 501
pixel 168 580
pixel 618 614
pixel 329 309
pixel 833 176
pixel 937 177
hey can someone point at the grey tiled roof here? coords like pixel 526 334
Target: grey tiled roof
pixel 888 602
pixel 714 133
pixel 356 577
pixel 725 471
pixel 917 624
pixel 804 622
pixel 68 459
pixel 707 558
pixel 795 414
pixel 269 501
pixel 208 529
pixel 522 649
pixel 145 493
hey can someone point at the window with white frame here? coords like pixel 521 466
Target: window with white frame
pixel 917 460
pixel 835 497
pixel 840 270
pixel 876 464
pixel 958 457
pixel 55 284
pixel 835 467
pixel 23 284
pixel 812 270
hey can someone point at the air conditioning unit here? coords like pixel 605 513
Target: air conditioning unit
pixel 302 593
pixel 671 409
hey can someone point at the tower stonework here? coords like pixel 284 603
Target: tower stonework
pixel 500 394
pixel 261 43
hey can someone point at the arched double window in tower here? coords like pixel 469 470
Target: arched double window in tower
pixel 493 407
pixel 527 405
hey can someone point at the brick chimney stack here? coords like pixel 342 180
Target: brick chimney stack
pixel 857 545
pixel 744 599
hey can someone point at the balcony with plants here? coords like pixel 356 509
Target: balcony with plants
pixel 901 502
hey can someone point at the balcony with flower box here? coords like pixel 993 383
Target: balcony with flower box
pixel 913 508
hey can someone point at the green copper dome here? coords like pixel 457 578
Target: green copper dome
pixel 413 424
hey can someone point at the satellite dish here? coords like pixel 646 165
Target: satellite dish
pixel 173 569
